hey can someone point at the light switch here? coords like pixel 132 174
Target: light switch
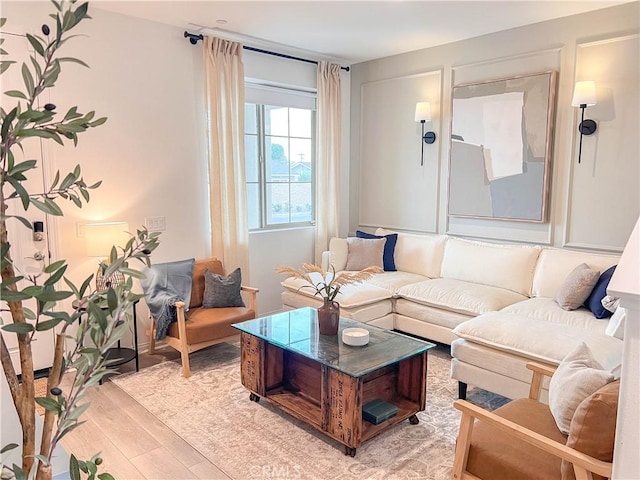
pixel 155 224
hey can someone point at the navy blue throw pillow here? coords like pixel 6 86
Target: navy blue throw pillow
pixel 594 300
pixel 388 261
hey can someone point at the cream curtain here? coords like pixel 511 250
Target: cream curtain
pixel 328 142
pixel 224 73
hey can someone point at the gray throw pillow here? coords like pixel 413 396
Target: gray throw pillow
pixel 220 292
pixel 577 287
pixel 364 253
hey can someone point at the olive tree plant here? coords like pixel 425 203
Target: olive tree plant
pixel 97 315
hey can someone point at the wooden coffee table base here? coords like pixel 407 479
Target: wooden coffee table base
pixel 329 400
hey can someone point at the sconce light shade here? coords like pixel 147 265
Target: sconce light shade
pixel 584 93
pixel 423 112
pixel 100 237
pixel 422 115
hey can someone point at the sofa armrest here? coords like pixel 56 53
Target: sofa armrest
pixel 325 260
pixel 253 302
pixel 583 464
pixel 540 370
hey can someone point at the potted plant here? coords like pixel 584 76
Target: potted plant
pixel 327 284
pixel 98 328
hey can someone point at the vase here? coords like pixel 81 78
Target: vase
pixel 328 317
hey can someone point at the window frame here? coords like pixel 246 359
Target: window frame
pixel 261 140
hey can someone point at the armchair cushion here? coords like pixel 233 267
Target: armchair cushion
pixel 593 427
pixel 503 457
pixel 206 324
pixel 197 290
pixel 221 291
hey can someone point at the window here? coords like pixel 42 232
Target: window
pixel 279 161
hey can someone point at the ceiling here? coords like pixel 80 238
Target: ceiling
pixel 349 31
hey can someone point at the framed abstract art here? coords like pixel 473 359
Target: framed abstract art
pixel 501 145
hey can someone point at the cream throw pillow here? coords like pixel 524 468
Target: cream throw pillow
pixel 577 287
pixel 578 376
pixel 364 252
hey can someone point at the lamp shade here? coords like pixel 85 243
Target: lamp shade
pixel 584 93
pixel 101 237
pixel 423 112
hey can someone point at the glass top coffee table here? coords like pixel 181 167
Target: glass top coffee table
pixel 325 383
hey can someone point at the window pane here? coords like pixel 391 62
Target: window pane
pixel 277 203
pixel 250 118
pixel 276 121
pixel 253 205
pixel 300 122
pixel 301 202
pixel 301 170
pixel 252 166
pixel 277 150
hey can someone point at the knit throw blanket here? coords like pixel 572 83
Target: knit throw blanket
pixel 164 285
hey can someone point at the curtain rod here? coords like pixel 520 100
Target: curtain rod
pixel 193 38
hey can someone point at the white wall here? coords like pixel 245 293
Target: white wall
pixel 293 246
pixel 151 154
pixel 592 206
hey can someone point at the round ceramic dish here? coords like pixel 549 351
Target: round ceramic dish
pixel 356 337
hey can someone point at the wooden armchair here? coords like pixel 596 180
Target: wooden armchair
pixel 521 439
pixel 203 327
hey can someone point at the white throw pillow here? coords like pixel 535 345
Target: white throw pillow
pixel 615 327
pixel 578 376
pixel 364 253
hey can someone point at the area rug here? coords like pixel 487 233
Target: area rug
pixel 211 411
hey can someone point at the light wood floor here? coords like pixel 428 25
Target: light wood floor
pixel 133 443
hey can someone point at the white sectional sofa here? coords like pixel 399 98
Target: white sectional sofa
pixel 493 303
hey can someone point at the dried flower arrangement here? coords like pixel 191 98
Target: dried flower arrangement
pixel 326 283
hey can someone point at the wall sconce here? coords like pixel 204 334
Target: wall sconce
pixel 584 95
pixel 423 114
pixel 100 238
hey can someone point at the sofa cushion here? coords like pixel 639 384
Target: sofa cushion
pixel 578 376
pixel 459 296
pixel 547 309
pixel 393 281
pixel 554 264
pixel 593 427
pixel 361 313
pixel 430 315
pixel 576 287
pixel 509 267
pixel 594 300
pixel 389 264
pixel 496 456
pixel 421 254
pixel 350 295
pixel 538 339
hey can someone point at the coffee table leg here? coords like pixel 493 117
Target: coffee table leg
pixel 413 420
pixel 350 451
pixel 253 397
